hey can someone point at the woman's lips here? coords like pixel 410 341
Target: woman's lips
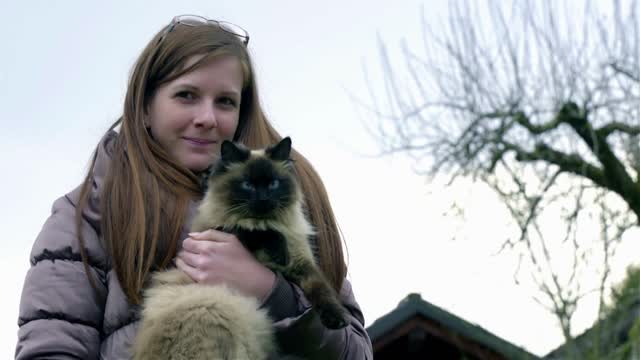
pixel 199 142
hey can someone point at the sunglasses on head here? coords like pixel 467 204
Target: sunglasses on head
pixel 196 20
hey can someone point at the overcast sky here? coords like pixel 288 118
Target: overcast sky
pixel 63 73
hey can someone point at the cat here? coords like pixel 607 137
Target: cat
pixel 253 194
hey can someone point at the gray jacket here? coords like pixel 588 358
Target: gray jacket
pixel 62 317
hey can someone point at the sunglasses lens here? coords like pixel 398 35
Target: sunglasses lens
pixel 192 20
pixel 232 28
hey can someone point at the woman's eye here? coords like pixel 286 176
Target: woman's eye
pixel 226 101
pixel 187 95
pixel 274 184
pixel 247 185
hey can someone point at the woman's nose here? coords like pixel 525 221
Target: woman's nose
pixel 206 117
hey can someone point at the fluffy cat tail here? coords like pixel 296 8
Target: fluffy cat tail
pixel 184 320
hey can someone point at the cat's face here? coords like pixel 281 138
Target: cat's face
pixel 261 189
pixel 258 183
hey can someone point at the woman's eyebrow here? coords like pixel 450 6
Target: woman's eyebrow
pixel 231 91
pixel 186 86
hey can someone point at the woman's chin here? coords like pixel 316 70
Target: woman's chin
pixel 198 165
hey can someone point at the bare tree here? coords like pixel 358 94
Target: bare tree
pixel 540 101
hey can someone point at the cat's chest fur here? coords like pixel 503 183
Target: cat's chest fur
pixel 268 246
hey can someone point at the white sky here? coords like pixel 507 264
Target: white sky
pixel 63 71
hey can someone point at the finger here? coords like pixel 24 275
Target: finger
pixel 211 235
pixel 191 259
pixel 196 246
pixel 189 270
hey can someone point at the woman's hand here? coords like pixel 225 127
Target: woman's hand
pixel 215 257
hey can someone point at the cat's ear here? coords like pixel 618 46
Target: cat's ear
pixel 230 152
pixel 281 150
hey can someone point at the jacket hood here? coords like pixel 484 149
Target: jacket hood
pixel 103 154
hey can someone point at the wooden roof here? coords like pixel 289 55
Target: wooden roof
pixel 416 329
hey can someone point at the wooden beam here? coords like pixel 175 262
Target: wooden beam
pixel 438 331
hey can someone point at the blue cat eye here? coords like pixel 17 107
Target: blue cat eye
pixel 247 185
pixel 274 184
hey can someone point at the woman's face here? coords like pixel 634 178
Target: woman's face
pixel 191 115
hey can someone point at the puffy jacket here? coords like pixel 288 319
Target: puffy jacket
pixel 62 317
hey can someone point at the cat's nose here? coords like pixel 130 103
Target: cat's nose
pixel 261 195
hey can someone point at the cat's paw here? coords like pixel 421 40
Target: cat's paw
pixel 332 317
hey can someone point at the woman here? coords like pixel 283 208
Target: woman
pixel 192 87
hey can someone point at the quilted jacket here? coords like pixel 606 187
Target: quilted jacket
pixel 62 317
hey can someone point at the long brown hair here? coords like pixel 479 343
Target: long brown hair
pixel 146 193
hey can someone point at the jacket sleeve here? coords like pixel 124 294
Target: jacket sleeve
pixel 61 314
pixel 300 332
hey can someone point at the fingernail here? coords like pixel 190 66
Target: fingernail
pixel 194 233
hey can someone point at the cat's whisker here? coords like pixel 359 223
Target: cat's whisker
pixel 236 210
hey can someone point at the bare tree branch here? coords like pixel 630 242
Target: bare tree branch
pixel 540 100
pixel 614 126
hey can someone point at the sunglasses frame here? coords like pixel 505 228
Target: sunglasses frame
pixel 224 25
